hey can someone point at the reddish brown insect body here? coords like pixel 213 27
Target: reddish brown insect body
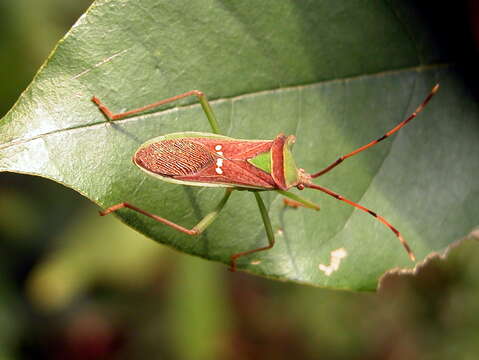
pixel 217 161
pixel 210 159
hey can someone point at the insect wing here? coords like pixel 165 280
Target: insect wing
pixel 205 160
pixel 231 164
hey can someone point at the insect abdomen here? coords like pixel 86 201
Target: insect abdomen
pixel 174 157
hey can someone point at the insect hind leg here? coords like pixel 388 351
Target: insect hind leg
pixel 199 94
pixel 195 230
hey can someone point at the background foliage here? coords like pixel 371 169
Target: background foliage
pixel 65 293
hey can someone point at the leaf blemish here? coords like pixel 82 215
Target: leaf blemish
pixel 335 260
pixel 104 61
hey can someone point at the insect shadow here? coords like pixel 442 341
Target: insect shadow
pixel 192 195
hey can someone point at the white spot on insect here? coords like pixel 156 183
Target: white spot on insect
pixel 220 153
pixel 255 262
pixel 218 147
pixel 336 257
pixel 219 164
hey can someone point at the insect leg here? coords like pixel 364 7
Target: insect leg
pixel 295 200
pixel 195 230
pixel 370 212
pixel 268 228
pixel 374 142
pixel 201 96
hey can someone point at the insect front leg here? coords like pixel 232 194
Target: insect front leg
pixel 195 230
pixel 268 228
pixel 200 95
pixel 295 200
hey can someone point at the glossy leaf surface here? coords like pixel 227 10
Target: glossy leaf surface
pixel 334 74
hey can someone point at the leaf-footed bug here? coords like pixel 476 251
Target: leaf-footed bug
pixel 214 160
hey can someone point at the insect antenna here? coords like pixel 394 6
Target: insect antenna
pixel 374 142
pixel 380 218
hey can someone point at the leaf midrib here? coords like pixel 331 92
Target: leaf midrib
pixel 229 99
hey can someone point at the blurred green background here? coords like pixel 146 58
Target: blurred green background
pixel 65 295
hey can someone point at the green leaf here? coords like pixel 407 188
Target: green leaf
pixel 335 74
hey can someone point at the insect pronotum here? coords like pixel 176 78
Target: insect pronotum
pixel 214 160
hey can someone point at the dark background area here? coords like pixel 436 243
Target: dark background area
pixel 64 294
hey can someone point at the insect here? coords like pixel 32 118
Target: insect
pixel 215 160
